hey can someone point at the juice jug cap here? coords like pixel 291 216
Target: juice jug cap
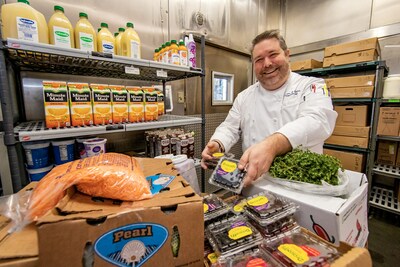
pixel 167 43
pixel 98 29
pixel 121 29
pixel 173 41
pixel 129 24
pixel 116 34
pixel 181 42
pixel 103 24
pixel 23 1
pixel 83 14
pixel 59 8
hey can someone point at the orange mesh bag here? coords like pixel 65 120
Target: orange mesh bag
pixel 108 175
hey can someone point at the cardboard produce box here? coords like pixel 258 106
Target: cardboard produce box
pixel 361 142
pixel 305 64
pixel 165 229
pixel 352 115
pixel 389 121
pixel 351 81
pixel 345 48
pixel 350 161
pixel 355 131
pixel 352 92
pixel 387 151
pixel 333 218
pixel 356 57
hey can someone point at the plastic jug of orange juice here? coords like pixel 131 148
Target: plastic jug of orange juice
pixel 105 40
pixel 85 35
pixel 183 53
pixel 118 38
pixel 131 45
pixel 174 52
pixel 61 33
pixel 21 21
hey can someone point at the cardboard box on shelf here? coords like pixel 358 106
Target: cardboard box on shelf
pixel 163 229
pixel 352 92
pixel 350 141
pixel 355 131
pixel 305 64
pixel 345 48
pixel 336 218
pixel 351 81
pixel 352 115
pixel 389 121
pixel 355 57
pixel 398 159
pixel 350 161
pixel 387 151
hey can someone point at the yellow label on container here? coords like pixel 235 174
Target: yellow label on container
pixel 239 232
pixel 228 166
pixel 205 208
pixel 217 155
pixel 56 104
pixel 294 253
pixel 239 207
pixel 212 257
pixel 258 201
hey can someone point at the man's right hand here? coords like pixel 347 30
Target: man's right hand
pixel 211 148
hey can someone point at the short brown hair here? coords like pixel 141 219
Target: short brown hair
pixel 269 34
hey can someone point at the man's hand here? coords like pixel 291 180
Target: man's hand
pixel 257 159
pixel 211 148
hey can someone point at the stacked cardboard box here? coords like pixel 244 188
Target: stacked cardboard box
pixel 389 121
pixel 351 127
pixel 387 152
pixel 351 87
pixel 350 161
pixel 353 52
pixel 305 64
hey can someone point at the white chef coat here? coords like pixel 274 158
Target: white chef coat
pixel 301 110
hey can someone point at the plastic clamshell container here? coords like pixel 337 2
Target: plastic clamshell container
pixel 227 175
pixel 257 258
pixel 266 208
pixel 296 248
pixel 212 163
pixel 236 234
pixel 214 207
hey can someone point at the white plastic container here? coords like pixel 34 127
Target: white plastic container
pixel 37 174
pixel 80 146
pixel 63 150
pixel 191 47
pixel 391 88
pixel 95 146
pixel 187 169
pixel 37 154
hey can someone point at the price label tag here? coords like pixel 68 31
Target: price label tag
pixel 162 74
pixel 132 70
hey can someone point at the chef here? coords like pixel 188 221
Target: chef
pixel 281 111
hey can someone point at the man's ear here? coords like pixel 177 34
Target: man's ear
pixel 287 52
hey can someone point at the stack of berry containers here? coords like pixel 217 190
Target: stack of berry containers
pixel 270 214
pixel 215 209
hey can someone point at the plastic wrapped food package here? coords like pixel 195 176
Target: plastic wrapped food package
pixel 227 175
pixel 297 248
pixel 258 258
pixel 214 207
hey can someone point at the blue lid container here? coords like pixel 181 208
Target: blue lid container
pixel 37 154
pixel 63 151
pixel 37 174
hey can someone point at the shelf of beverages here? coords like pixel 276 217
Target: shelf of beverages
pixel 49 58
pixel 36 130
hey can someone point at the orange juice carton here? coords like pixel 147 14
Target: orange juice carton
pixel 101 97
pixel 160 102
pixel 151 104
pixel 56 108
pixel 119 102
pixel 136 103
pixel 80 102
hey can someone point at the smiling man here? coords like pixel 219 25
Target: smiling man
pixel 281 111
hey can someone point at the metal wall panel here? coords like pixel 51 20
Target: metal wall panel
pixel 385 12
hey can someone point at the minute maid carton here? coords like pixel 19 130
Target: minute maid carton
pixel 151 104
pixel 80 100
pixel 119 102
pixel 101 97
pixel 136 104
pixel 56 108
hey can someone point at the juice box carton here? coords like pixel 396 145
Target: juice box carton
pixel 119 102
pixel 56 106
pixel 101 97
pixel 135 103
pixel 80 102
pixel 151 104
pixel 160 102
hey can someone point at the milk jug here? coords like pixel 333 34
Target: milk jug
pixel 61 33
pixel 21 21
pixel 105 40
pixel 130 40
pixel 85 35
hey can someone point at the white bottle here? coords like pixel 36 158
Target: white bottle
pixel 191 46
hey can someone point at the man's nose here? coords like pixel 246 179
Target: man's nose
pixel 267 62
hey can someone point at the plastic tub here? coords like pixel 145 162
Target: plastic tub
pixel 391 88
pixel 80 147
pixel 37 154
pixel 63 151
pixel 95 146
pixel 37 174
